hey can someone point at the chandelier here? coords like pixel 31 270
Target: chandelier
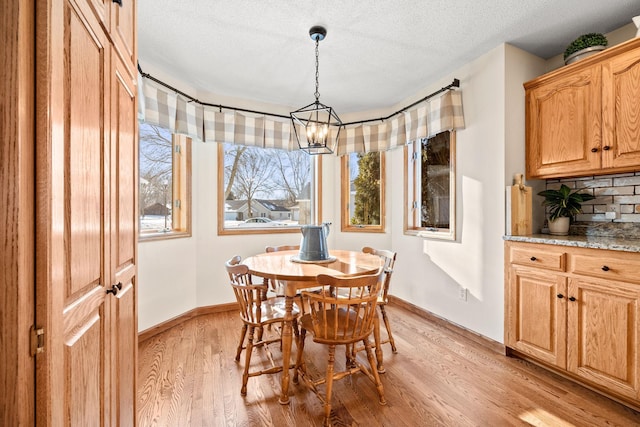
pixel 321 124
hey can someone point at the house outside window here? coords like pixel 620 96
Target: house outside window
pixel 164 194
pixel 266 190
pixel 430 183
pixel 362 192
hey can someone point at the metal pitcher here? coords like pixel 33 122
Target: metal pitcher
pixel 313 246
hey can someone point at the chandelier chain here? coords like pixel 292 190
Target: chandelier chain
pixel 317 93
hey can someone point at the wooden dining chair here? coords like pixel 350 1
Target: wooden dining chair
pixel 256 312
pixel 342 312
pixel 389 259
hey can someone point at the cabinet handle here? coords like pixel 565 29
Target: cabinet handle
pixel 533 258
pixel 560 296
pixel 114 289
pixel 594 150
pixel 606 148
pixel 605 268
pixel 118 285
pixel 119 2
pixel 572 299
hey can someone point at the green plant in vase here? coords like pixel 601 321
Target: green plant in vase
pixel 589 43
pixel 563 205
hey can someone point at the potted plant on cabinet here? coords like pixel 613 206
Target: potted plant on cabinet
pixel 583 46
pixel 563 205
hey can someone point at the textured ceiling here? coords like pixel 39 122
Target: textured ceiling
pixel 376 52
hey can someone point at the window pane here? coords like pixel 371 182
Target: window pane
pixel 430 187
pixel 435 191
pixel 156 183
pixel 266 188
pixel 363 191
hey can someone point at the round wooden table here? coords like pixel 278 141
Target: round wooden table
pixel 301 275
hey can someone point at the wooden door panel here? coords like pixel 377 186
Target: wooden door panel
pixel 123 32
pixel 83 308
pixel 124 151
pixel 84 147
pixel 85 381
pixel 563 125
pixel 621 111
pixel 603 334
pixel 124 138
pixel 537 315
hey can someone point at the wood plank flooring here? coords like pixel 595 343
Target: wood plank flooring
pixel 188 377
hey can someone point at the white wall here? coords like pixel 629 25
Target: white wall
pixel 178 275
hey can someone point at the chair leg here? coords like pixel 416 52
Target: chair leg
pixel 388 326
pixel 374 371
pixel 329 385
pixel 299 357
pixel 247 363
pixel 243 333
pixel 376 337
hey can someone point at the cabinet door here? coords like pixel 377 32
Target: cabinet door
pixel 602 334
pixel 621 111
pixel 563 119
pixel 124 161
pixel 536 319
pixel 72 261
pixel 123 32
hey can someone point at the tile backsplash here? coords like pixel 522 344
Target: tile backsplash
pixel 620 189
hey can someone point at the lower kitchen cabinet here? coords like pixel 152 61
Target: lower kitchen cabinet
pixel 576 310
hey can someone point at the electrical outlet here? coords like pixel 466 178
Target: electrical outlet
pixel 613 211
pixel 462 293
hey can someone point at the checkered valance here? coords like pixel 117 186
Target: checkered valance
pixel 162 107
pixel 426 120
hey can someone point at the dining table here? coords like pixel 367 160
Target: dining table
pixel 296 275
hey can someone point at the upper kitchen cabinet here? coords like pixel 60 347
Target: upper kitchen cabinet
pixel 584 119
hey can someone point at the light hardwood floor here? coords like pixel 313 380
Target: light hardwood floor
pixel 188 377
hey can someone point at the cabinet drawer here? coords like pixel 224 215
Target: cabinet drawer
pixel 625 267
pixel 536 256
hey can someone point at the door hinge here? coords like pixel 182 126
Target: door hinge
pixel 177 203
pixel 37 340
pixel 178 149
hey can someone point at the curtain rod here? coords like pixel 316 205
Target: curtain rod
pixel 455 83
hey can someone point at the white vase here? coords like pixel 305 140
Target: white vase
pixel 559 226
pixel 636 20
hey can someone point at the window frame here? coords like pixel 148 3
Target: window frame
pixel 345 191
pixel 180 192
pixel 412 187
pixel 316 191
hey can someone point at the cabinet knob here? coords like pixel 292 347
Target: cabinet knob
pixel 533 258
pixel 594 150
pixel 114 289
pixel 118 2
pixel 560 296
pixel 606 148
pixel 605 268
pixel 572 299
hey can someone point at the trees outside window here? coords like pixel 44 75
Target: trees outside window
pixel 164 190
pixel 274 184
pixel 430 183
pixel 363 192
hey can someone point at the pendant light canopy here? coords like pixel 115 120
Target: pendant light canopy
pixel 320 122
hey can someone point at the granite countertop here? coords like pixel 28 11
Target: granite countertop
pixel 582 241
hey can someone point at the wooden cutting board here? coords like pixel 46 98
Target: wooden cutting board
pixel 519 198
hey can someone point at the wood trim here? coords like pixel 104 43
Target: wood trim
pixel 177 320
pixel 17 34
pixel 345 223
pixel 486 342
